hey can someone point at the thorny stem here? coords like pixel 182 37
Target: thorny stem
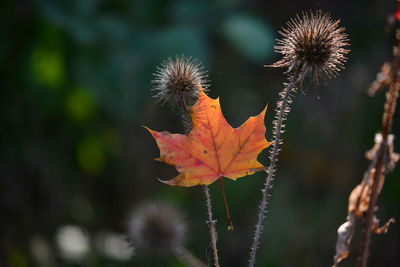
pixel 211 225
pixel 281 112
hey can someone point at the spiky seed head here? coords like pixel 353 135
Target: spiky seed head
pixel 312 44
pixel 177 81
pixel 157 227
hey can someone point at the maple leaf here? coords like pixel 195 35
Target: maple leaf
pixel 213 149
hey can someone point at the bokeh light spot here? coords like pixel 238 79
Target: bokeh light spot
pixel 91 155
pixel 79 105
pixel 72 242
pixel 48 67
pixel 114 246
pixel 17 259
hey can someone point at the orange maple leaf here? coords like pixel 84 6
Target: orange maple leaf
pixel 213 149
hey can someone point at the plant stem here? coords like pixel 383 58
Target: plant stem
pixel 228 216
pixel 379 170
pixel 186 257
pixel 211 225
pixel 187 124
pixel 282 110
pixel 380 167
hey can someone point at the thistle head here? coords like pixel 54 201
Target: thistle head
pixel 177 81
pixel 157 227
pixel 312 44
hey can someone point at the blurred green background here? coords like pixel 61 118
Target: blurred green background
pixel 75 82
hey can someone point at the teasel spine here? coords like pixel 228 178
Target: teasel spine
pixel 176 83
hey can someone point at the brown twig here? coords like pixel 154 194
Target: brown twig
pixel 381 155
pixel 363 198
pixel 366 239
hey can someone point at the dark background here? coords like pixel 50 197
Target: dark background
pixel 75 80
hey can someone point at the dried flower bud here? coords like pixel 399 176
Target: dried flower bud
pixel 177 81
pixel 312 44
pixel 157 227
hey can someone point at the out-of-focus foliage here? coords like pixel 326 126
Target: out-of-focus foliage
pixel 75 82
pixel 250 36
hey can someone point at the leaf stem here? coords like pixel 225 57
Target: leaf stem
pixel 228 216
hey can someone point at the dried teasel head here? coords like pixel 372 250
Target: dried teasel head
pixel 157 227
pixel 312 44
pixel 177 81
